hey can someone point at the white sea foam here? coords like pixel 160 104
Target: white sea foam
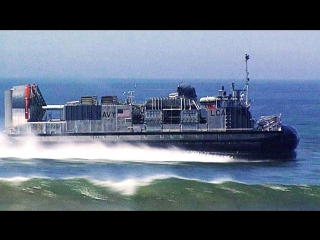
pixel 16 180
pixel 97 151
pixel 277 187
pixel 129 186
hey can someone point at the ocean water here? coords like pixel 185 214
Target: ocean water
pixel 96 177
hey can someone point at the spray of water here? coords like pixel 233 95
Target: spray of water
pixel 97 151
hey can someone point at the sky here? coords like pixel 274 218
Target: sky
pixel 160 54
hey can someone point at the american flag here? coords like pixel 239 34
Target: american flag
pixel 124 113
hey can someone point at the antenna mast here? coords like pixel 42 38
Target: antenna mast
pixel 247 80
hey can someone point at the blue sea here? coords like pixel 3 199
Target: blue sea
pixel 126 178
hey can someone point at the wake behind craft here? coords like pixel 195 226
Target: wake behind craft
pixel 222 123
